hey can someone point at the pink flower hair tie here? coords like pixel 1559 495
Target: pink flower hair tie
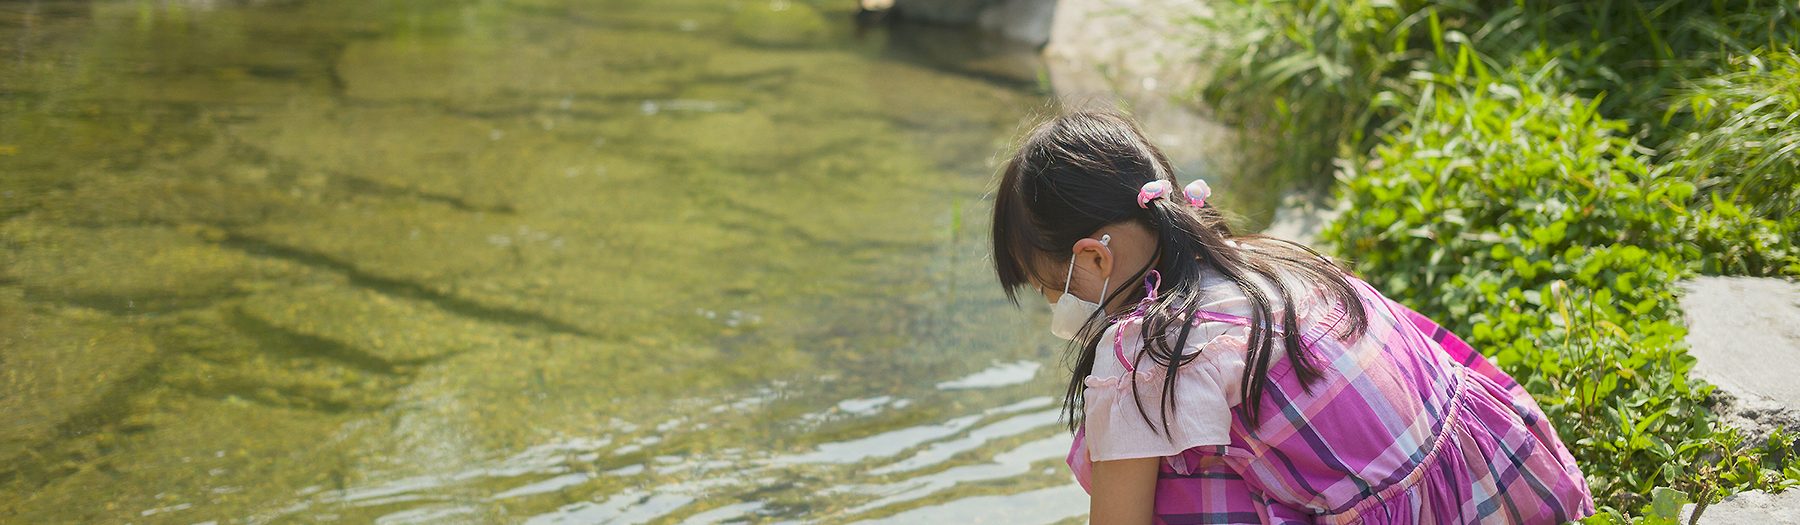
pixel 1197 193
pixel 1153 190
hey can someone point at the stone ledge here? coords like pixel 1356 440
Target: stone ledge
pixel 1745 335
pixel 1022 20
pixel 1756 507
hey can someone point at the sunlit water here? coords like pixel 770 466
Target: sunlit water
pixel 527 261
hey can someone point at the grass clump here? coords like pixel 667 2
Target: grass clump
pixel 1743 152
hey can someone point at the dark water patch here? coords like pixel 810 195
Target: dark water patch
pixel 358 185
pixel 403 288
pixel 229 337
pixel 125 305
pixel 782 226
pixel 275 339
pixel 364 185
pixel 85 439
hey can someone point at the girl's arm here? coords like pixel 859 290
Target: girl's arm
pixel 1124 491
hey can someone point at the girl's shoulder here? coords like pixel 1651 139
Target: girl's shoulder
pixel 1211 347
pixel 1215 338
pixel 1124 403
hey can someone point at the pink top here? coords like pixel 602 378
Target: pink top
pixel 1205 391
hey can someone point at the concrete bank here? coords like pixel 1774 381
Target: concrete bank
pixel 1138 56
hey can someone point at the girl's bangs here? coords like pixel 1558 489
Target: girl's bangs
pixel 1015 237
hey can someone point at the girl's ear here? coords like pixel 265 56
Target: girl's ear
pixel 1093 252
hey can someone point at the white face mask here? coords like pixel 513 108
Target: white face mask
pixel 1069 313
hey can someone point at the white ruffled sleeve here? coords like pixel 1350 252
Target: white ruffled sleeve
pixel 1206 389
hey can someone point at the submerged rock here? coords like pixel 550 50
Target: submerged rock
pixel 367 326
pixel 60 368
pixel 216 354
pixel 124 270
pixel 779 23
pixel 495 79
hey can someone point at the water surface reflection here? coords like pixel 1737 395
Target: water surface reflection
pixel 507 261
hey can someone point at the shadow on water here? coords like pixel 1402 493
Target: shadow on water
pixel 533 261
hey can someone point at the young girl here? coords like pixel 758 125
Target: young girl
pixel 1227 378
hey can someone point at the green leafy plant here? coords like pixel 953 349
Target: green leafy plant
pixel 1531 225
pixel 1495 154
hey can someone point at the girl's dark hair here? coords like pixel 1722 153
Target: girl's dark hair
pixel 1080 172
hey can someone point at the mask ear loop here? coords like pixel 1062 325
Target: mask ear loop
pixel 1069 278
pixel 1104 239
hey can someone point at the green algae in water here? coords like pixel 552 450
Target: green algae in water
pixel 778 23
pixel 487 261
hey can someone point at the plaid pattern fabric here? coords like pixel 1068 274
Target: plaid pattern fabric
pixel 1407 425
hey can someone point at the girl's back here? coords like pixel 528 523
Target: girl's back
pixel 1405 424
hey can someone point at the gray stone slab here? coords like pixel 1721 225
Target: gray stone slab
pixel 1754 507
pixel 1745 332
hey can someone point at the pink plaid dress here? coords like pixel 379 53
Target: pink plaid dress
pixel 1408 424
